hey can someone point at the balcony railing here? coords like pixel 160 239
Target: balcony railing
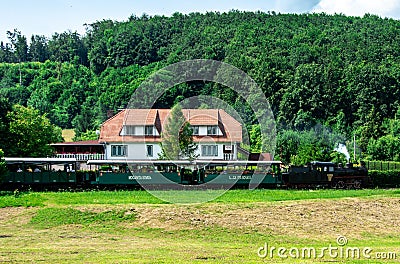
pixel 82 157
pixel 228 156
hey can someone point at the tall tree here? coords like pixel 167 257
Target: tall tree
pixel 6 53
pixel 20 44
pixel 177 137
pixel 38 48
pixel 186 144
pixel 5 108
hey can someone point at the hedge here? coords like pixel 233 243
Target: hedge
pixel 389 178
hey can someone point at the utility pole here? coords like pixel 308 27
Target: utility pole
pixel 354 146
pixel 20 75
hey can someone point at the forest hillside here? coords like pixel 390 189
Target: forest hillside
pixel 337 71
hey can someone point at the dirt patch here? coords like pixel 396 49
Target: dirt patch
pixel 16 215
pixel 309 219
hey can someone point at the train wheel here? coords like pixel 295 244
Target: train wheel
pixel 357 184
pixel 340 185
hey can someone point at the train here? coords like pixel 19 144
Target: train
pixel 64 173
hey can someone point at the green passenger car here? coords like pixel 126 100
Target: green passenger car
pixel 40 171
pixel 210 174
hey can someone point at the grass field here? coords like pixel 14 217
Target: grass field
pixel 134 226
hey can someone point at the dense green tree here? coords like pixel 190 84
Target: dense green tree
pixel 299 147
pixel 384 148
pixel 307 153
pixel 87 120
pixel 287 144
pixel 338 157
pixel 5 108
pixel 31 133
pixel 38 50
pixel 177 137
pixel 6 52
pixel 67 47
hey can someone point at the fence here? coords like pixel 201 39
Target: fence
pixel 82 157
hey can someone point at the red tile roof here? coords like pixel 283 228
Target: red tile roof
pixel 111 129
pixel 198 117
pixel 78 143
pixel 137 117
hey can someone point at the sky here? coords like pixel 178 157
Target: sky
pixel 45 17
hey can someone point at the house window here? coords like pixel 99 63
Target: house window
pixel 118 150
pixel 129 130
pixel 149 150
pixel 212 130
pixel 209 150
pixel 195 130
pixel 148 130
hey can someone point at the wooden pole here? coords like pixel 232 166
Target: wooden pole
pixel 354 146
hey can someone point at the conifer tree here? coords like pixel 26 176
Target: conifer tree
pixel 177 137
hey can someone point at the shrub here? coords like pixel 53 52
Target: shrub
pixel 389 178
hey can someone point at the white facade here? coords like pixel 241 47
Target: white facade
pixel 141 151
pixel 132 150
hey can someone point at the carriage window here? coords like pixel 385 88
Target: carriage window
pixel 118 150
pixel 331 169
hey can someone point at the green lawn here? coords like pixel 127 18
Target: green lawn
pixel 136 227
pixel 143 197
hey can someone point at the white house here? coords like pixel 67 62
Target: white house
pixel 136 133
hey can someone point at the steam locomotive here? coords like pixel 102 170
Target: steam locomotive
pixel 327 174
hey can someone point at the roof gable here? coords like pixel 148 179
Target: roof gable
pixel 111 129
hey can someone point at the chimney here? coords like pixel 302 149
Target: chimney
pixel 110 113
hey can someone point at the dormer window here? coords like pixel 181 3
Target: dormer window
pixel 195 130
pixel 128 131
pixel 212 130
pixel 148 131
